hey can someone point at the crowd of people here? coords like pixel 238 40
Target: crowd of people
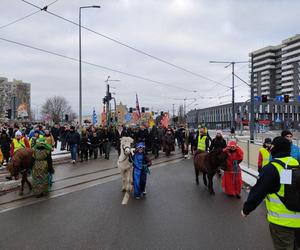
pixel 274 157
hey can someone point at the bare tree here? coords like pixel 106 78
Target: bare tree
pixel 56 107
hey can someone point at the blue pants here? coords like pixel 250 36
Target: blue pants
pixel 73 149
pixel 139 181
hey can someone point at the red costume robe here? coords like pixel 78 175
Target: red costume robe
pixel 232 178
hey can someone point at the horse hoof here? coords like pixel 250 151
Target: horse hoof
pixel 123 190
pixel 21 193
pixel 212 192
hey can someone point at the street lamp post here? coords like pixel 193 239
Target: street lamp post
pixel 80 70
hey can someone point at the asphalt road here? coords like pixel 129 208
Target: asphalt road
pixel 176 214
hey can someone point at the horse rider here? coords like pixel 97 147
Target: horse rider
pixel 264 154
pixel 17 143
pixel 284 224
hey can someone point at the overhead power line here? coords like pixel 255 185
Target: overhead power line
pixel 25 17
pixel 95 65
pixel 130 47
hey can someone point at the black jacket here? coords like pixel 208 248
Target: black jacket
pixel 217 143
pixel 73 138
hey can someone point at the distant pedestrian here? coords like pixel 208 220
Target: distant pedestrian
pixel 295 153
pixel 264 154
pixel 73 140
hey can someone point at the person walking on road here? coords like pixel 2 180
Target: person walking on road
pixel 73 139
pixel 295 153
pixel 284 224
pixel 141 163
pixel 232 178
pixel 42 169
pixel 218 142
pixel 264 154
pixel 202 140
pixel 5 145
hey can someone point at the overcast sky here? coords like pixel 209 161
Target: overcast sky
pixel 188 33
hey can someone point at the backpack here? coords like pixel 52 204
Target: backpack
pixel 291 198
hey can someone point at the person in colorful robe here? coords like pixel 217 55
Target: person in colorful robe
pixel 141 165
pixel 42 169
pixel 232 178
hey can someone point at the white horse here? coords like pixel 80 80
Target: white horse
pixel 126 167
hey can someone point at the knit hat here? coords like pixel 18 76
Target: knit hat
pixel 232 144
pixel 284 133
pixel 268 141
pixel 219 132
pixel 140 145
pixel 281 145
pixel 18 133
pixel 41 142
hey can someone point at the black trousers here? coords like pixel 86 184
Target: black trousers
pixel 285 238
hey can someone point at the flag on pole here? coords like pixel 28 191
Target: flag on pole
pixel 138 112
pixel 94 117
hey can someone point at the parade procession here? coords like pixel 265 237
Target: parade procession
pixel 149 125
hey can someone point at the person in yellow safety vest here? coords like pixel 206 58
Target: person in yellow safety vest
pixel 202 140
pixel 264 154
pixel 18 142
pixel 1 157
pixel 284 224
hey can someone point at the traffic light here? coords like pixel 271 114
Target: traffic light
pixel 143 110
pixel 130 110
pixel 286 98
pixel 109 96
pixel 264 98
pixel 162 113
pixel 104 100
pixel 66 117
pixel 8 113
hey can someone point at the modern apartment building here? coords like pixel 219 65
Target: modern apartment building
pixel 14 95
pixel 276 69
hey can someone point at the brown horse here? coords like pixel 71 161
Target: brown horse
pixel 21 162
pixel 208 164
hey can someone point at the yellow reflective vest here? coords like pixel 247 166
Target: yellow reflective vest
pixel 265 156
pixel 201 142
pixel 276 211
pixel 18 144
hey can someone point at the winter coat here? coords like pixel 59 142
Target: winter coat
pixel 73 138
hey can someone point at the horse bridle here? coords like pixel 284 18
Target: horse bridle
pixel 126 156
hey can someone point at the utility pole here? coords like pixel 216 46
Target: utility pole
pixel 252 125
pixel 107 105
pixel 232 87
pixel 107 99
pixel 173 114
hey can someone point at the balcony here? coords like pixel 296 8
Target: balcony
pixel 285 67
pixel 264 68
pixel 268 54
pixel 287 84
pixel 294 52
pixel 292 46
pixel 294 59
pixel 288 72
pixel 287 78
pixel 267 61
